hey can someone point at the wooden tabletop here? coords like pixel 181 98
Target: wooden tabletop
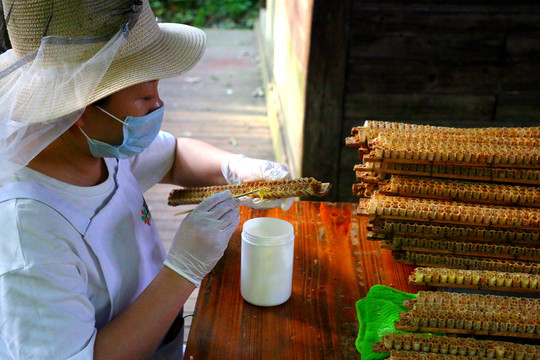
pixel 334 266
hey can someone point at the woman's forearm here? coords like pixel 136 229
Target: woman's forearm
pixel 196 163
pixel 138 331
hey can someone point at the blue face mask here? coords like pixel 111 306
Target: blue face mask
pixel 139 132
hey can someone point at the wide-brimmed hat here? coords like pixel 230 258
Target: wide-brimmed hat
pixel 152 51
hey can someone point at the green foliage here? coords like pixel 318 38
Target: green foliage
pixel 207 13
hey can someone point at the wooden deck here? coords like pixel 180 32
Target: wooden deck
pixel 219 101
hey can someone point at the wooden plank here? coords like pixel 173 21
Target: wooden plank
pixel 522 77
pixel 444 18
pixel 523 47
pixel 446 48
pixel 427 79
pixel 518 110
pixel 349 158
pixel 334 266
pixel 419 107
pixel 344 187
pixel 325 86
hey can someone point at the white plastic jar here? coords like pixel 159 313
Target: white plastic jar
pixel 267 261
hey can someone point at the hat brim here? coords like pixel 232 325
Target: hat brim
pixel 175 51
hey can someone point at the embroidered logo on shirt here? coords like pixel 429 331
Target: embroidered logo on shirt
pixel 146 216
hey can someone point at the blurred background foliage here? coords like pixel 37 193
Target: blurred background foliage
pixel 227 14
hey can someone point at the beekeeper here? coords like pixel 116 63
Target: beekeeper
pixel 83 273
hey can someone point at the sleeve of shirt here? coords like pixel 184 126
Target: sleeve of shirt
pixel 46 314
pixel 45 310
pixel 154 162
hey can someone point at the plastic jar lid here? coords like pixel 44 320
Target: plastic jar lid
pixel 267 231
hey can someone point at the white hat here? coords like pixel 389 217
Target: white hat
pixel 152 51
pixel 67 54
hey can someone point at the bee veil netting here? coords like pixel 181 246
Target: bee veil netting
pixel 44 92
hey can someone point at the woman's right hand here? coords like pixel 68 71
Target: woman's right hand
pixel 203 236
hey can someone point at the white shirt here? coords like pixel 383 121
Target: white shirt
pixel 52 297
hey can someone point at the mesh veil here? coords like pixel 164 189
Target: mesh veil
pixel 39 92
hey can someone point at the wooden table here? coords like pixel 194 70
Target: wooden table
pixel 334 266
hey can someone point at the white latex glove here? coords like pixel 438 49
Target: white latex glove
pixel 239 168
pixel 203 236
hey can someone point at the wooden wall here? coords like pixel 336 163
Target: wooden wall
pixel 455 63
pixel 283 35
pixel 325 93
pixel 444 62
